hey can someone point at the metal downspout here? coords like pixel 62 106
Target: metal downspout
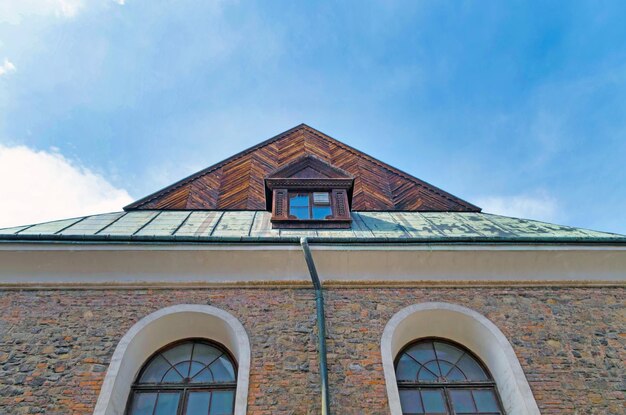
pixel 321 325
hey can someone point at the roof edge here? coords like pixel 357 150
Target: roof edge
pixel 288 240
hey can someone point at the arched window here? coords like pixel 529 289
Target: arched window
pixel 440 377
pixel 464 326
pixel 186 378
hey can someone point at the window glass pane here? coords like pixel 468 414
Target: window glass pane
pixel 195 369
pixel 155 371
pixel 183 368
pixel 143 403
pixel 486 400
pixel 433 367
pixel 426 376
pixel 422 352
pixel 407 369
pixel 223 370
pixel 198 403
pixel 167 403
pixel 299 205
pixel 410 402
pixel 203 376
pixel 299 212
pixel 433 401
pixel 462 401
pixel 445 367
pixel 320 212
pixel 455 375
pixel 472 369
pixel 179 353
pixel 448 352
pixel 299 199
pixel 222 403
pixel 205 354
pixel 172 377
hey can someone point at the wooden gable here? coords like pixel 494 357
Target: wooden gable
pixel 239 182
pixel 309 167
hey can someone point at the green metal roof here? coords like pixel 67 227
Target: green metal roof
pixel 255 226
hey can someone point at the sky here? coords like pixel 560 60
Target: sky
pixel 518 107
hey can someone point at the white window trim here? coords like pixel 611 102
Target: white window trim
pixel 162 328
pixel 466 327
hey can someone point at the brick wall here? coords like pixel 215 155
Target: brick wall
pixel 55 345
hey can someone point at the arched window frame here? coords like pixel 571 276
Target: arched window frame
pixel 468 328
pixel 490 383
pixel 181 387
pixel 164 327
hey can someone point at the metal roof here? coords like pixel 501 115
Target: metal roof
pixel 251 226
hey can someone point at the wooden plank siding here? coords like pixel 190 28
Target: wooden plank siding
pixel 238 183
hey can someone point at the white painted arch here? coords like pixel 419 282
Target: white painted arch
pixel 472 330
pixel 162 328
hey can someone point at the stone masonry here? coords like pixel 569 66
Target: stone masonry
pixel 55 345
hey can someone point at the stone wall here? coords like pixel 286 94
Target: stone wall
pixel 55 345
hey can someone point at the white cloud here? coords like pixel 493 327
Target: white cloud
pixel 7 67
pixel 14 11
pixel 38 186
pixel 539 206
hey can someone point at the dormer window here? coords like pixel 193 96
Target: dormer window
pixel 313 205
pixel 309 193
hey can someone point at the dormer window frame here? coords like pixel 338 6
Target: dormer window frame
pixel 310 175
pixel 338 202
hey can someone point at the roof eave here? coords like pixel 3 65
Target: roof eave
pixel 149 239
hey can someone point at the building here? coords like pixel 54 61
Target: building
pixel 203 298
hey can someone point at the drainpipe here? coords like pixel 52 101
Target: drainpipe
pixel 321 325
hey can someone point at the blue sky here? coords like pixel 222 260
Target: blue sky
pixel 519 107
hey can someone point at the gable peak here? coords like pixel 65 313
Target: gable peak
pixel 237 183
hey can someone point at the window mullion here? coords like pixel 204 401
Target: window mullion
pixel 448 401
pixel 419 394
pixel 156 403
pixel 473 400
pixel 183 402
pixel 210 403
pixel 193 346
